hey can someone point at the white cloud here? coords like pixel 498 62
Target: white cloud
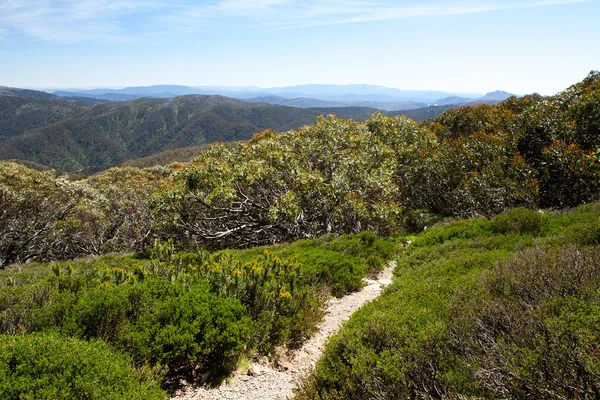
pixel 107 20
pixel 336 13
pixel 67 21
pixel 281 14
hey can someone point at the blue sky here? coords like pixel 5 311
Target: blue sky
pixel 520 46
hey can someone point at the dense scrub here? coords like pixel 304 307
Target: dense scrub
pixel 50 367
pixel 49 217
pixel 335 263
pixel 187 315
pixel 501 308
pixel 387 175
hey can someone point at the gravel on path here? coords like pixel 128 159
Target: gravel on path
pixel 266 382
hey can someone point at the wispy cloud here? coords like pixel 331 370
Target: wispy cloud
pixel 297 14
pixel 110 20
pixel 67 21
pixel 429 10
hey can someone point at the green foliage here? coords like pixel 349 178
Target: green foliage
pixel 275 293
pixel 53 368
pixel 191 314
pixel 38 212
pixel 179 325
pixel 506 308
pixel 337 264
pixel 527 151
pixel 468 121
pixel 533 333
pixel 462 229
pixel 333 177
pixel 520 221
pixel 189 329
pixel 571 175
pixel 48 217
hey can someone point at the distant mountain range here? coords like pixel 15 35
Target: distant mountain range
pixel 85 132
pixel 304 96
pixel 79 136
pixel 492 97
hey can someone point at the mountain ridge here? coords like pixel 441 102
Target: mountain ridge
pixel 86 134
pixel 109 134
pixel 303 96
pixel 23 109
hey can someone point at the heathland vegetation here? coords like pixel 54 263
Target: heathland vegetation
pixel 500 308
pixel 172 315
pixel 501 303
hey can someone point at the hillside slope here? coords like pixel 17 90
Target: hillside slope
pixel 22 110
pixel 75 135
pixel 109 134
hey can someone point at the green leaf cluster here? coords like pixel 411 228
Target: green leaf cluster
pixel 335 176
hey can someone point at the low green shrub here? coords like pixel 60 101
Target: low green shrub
pixel 367 248
pixel 99 313
pixel 584 233
pixel 276 293
pixel 521 221
pixel 336 264
pixel 534 331
pixel 338 272
pixel 192 314
pixel 188 330
pixel 49 367
pixel 463 229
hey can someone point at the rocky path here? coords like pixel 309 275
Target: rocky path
pixel 264 382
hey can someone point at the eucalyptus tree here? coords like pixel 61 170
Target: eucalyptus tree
pixel 333 176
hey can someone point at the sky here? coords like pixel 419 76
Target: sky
pixel 521 46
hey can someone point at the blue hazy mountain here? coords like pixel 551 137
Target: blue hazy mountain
pixel 302 96
pixel 496 96
pixel 320 92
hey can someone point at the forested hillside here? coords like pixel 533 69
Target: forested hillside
pixel 109 134
pixel 22 110
pixel 71 135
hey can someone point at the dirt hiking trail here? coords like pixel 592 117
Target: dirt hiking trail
pixel 265 382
